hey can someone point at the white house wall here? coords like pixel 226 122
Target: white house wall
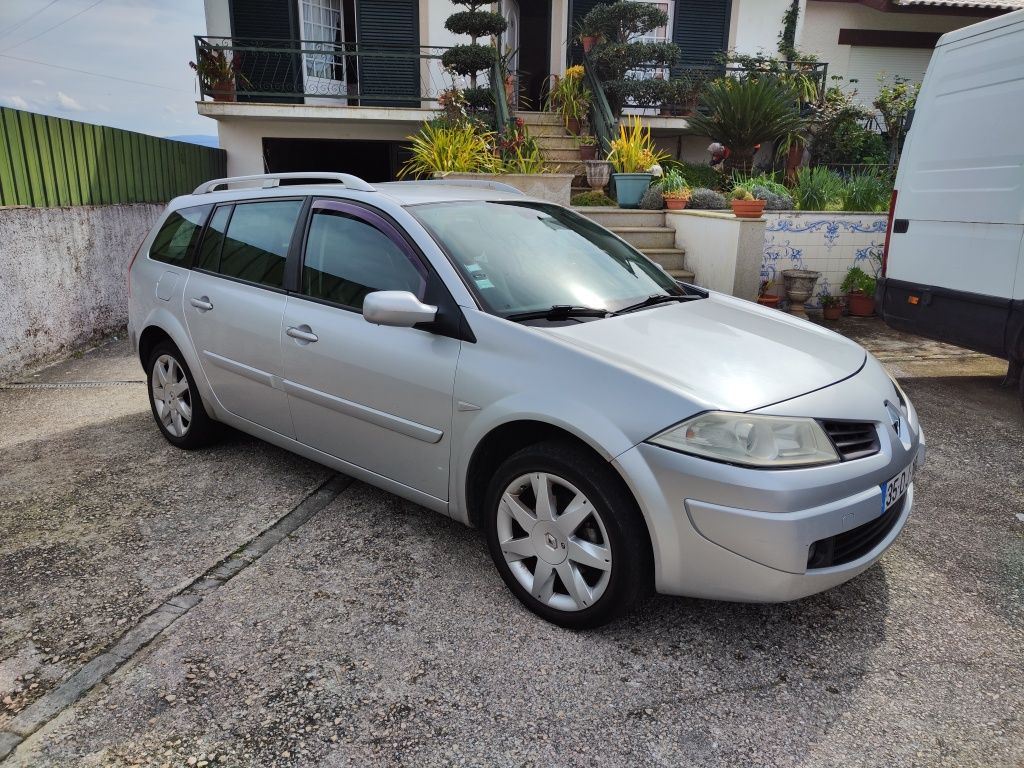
pixel 756 24
pixel 823 20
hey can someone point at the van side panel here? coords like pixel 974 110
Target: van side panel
pixel 953 266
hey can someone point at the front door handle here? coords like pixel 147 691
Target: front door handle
pixel 204 304
pixel 303 333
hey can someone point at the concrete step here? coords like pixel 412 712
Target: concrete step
pixel 548 131
pixel 620 217
pixel 642 238
pixel 682 274
pixel 561 166
pixel 561 155
pixel 556 142
pixel 541 118
pixel 669 258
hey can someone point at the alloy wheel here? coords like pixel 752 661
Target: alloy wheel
pixel 172 397
pixel 554 541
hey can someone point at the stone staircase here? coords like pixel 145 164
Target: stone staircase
pixel 645 231
pixel 560 151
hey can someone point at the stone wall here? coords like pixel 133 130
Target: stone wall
pixel 824 241
pixel 62 277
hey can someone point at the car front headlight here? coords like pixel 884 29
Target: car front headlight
pixel 755 441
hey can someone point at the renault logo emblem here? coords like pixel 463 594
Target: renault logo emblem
pixel 894 416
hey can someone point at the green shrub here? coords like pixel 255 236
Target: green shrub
pixel 476 23
pixel 866 192
pixel 594 197
pixel 697 175
pixel 818 189
pixel 467 60
pixel 858 280
pixel 764 180
pixel 773 201
pixel 653 199
pixel 706 199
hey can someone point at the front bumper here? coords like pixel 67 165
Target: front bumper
pixel 732 533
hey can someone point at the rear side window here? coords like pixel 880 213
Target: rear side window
pixel 347 258
pixel 256 243
pixel 213 241
pixel 179 234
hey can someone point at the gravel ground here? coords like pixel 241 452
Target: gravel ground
pixel 379 633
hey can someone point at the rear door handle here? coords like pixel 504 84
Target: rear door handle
pixel 303 333
pixel 203 304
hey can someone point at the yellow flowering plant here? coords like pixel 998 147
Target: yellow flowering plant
pixel 634 151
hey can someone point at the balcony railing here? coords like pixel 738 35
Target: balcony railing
pixel 309 71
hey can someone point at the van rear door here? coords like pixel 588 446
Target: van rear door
pixel 952 267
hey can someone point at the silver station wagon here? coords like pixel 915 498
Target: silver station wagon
pixel 515 366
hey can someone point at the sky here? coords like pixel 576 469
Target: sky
pixel 146 41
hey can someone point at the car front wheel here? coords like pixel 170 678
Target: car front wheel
pixel 567 536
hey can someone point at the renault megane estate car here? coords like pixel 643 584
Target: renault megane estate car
pixel 512 364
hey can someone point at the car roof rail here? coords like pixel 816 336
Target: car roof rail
pixel 274 180
pixel 497 186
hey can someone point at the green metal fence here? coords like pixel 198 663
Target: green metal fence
pixel 48 161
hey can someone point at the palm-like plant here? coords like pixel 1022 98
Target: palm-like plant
pixel 742 113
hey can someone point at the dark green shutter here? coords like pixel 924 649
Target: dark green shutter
pixel 701 30
pixel 268 24
pixel 388 26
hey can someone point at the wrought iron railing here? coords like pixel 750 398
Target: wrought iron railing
pixel 261 70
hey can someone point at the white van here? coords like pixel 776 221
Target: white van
pixel 952 269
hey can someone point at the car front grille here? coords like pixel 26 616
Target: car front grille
pixel 855 543
pixel 853 439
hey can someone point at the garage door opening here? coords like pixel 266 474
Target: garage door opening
pixel 370 160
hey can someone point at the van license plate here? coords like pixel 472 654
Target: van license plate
pixel 893 490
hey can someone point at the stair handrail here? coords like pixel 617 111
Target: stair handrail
pixel 602 121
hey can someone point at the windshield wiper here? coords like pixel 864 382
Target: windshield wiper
pixel 559 312
pixel 653 300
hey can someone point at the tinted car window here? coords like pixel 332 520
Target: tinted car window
pixel 347 258
pixel 213 240
pixel 257 240
pixel 178 235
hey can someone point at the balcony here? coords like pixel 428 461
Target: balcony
pixel 312 73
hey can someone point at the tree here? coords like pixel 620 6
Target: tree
pixel 468 60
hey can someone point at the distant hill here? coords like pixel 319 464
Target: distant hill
pixel 197 138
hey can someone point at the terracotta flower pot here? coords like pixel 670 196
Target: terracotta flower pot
pixel 675 203
pixel 860 304
pixel 589 41
pixel 588 152
pixel 747 209
pixel 573 125
pixel 833 312
pixel 224 91
pixel 768 300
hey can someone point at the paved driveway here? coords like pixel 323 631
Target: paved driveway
pixel 241 606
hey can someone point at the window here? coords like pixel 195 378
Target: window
pixel 209 253
pixel 256 244
pixel 348 258
pixel 178 235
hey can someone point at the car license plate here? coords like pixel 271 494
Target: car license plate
pixel 893 490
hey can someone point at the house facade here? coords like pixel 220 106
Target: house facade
pixel 341 84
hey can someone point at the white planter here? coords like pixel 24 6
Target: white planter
pixel 552 187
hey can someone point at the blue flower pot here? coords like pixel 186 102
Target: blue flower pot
pixel 630 187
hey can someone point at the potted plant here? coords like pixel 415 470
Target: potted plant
pixel 763 297
pixel 570 96
pixel 675 190
pixel 799 285
pixel 219 74
pixel 859 288
pixel 588 147
pixel 633 155
pixel 588 32
pixel 831 307
pixel 745 205
pixel 598 173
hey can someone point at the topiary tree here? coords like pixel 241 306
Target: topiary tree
pixel 468 60
pixel 618 52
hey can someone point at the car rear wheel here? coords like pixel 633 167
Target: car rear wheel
pixel 566 535
pixel 176 403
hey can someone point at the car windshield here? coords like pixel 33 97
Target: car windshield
pixel 522 257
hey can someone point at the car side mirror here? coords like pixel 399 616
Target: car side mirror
pixel 398 308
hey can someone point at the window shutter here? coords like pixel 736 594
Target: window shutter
pixel 253 23
pixel 701 30
pixel 384 25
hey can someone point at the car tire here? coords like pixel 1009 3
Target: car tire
pixel 583 557
pixel 175 400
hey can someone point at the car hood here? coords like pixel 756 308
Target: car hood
pixel 721 352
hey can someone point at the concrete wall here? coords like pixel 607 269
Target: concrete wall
pixel 723 252
pixel 755 25
pixel 824 241
pixel 62 277
pixel 819 33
